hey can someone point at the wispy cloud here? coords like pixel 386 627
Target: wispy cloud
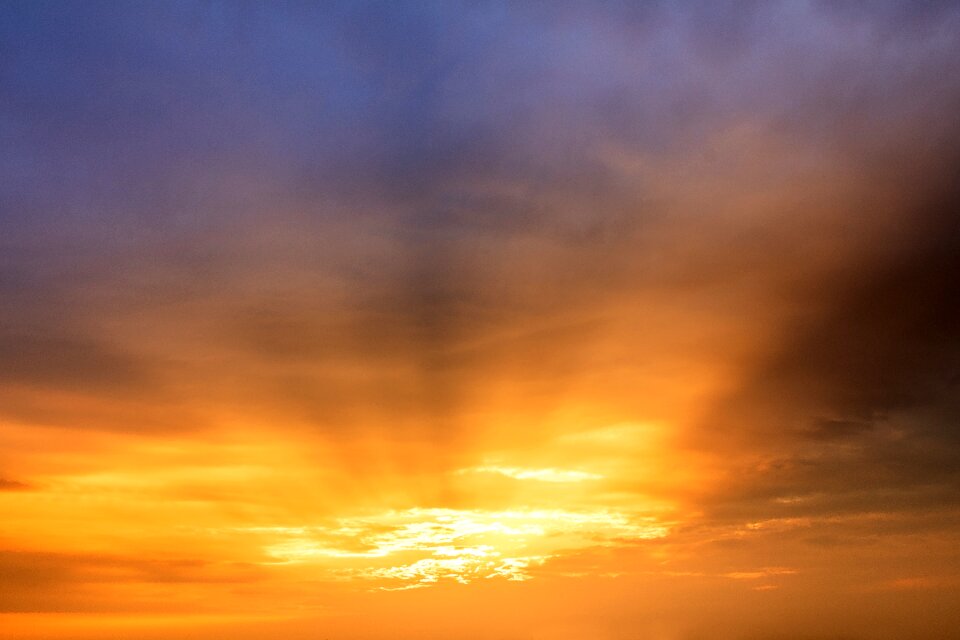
pixel 423 546
pixel 542 475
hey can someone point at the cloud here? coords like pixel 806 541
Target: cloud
pixel 860 398
pixel 418 547
pixel 542 475
pixel 693 258
pixel 57 582
pixel 6 484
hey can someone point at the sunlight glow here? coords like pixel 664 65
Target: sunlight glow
pixel 424 546
pixel 543 475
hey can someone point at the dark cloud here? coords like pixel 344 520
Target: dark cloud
pixel 61 582
pixel 6 484
pixel 857 408
pixel 68 364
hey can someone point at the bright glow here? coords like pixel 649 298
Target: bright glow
pixel 543 475
pixel 422 546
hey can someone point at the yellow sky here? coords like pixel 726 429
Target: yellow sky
pixel 479 321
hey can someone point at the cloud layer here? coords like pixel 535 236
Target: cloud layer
pixel 273 267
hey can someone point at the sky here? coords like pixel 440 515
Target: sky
pixel 480 320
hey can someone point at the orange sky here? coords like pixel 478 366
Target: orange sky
pixel 493 321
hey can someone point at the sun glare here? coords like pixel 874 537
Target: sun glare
pixel 418 547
